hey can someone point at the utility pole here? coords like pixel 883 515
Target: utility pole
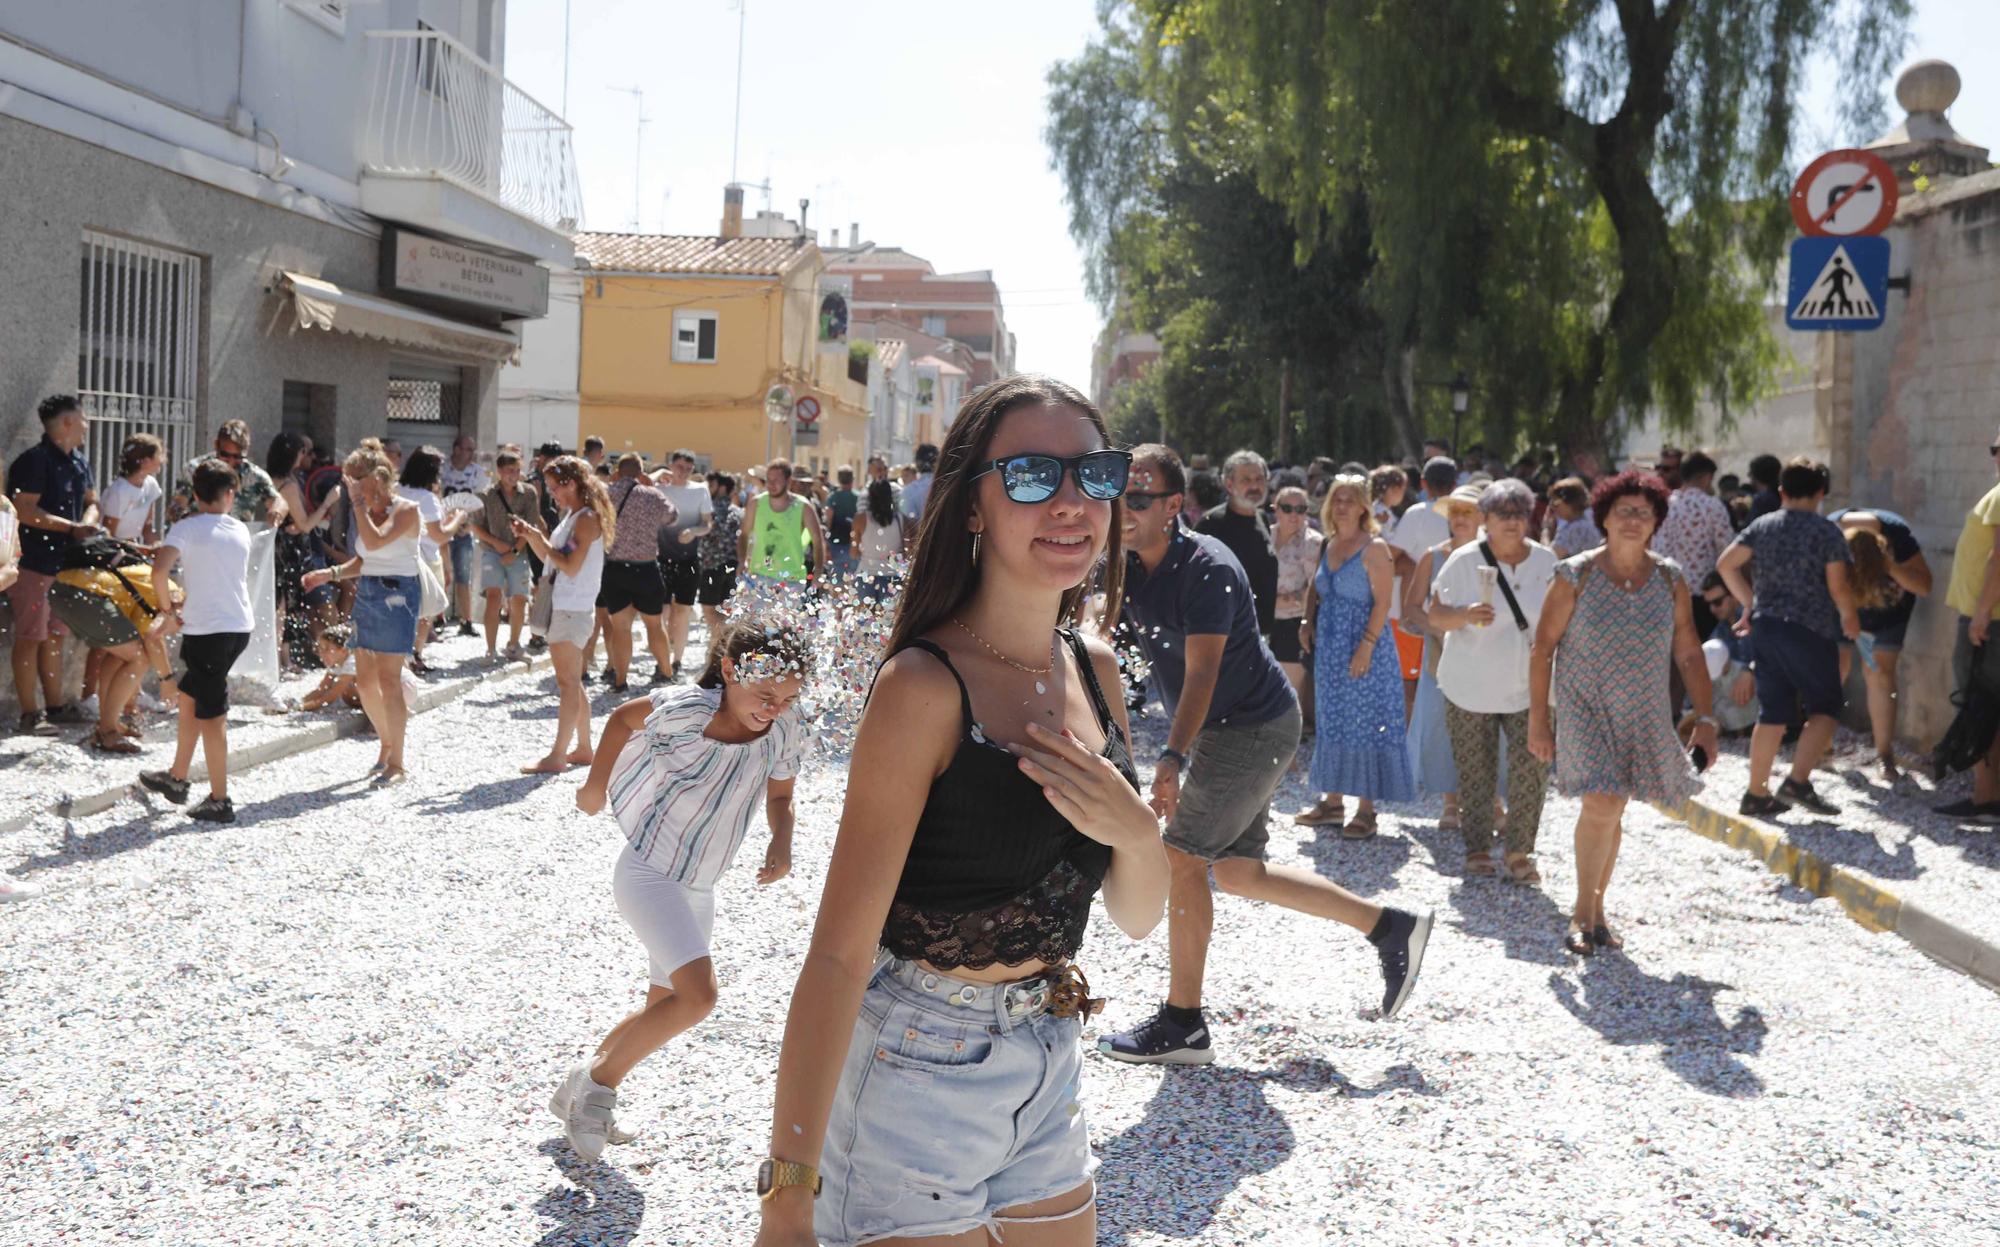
pixel 638 147
pixel 736 136
pixel 565 106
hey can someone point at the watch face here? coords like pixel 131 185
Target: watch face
pixel 764 1178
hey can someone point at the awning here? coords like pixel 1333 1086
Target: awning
pixel 323 305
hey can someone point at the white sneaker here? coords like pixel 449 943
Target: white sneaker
pixel 11 891
pixel 564 1099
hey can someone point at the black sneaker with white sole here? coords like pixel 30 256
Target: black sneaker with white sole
pixel 164 783
pixel 1799 793
pixel 1159 1040
pixel 1755 806
pixel 1969 811
pixel 214 809
pixel 1400 944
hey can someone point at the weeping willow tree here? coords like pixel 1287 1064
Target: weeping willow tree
pixel 1578 202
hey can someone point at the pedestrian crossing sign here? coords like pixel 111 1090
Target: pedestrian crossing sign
pixel 1838 283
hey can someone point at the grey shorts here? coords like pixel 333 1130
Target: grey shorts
pixel 1225 808
pixel 956 1101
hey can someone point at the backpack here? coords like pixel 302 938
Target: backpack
pixel 101 553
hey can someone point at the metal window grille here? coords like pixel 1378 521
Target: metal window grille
pixel 139 354
pixel 416 401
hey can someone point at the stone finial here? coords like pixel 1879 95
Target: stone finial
pixel 1927 87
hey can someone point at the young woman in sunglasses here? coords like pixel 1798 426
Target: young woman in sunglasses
pixel 1298 545
pixel 999 798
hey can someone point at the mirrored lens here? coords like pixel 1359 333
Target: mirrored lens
pixel 1102 475
pixel 1031 478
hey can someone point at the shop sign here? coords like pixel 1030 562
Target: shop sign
pixel 425 269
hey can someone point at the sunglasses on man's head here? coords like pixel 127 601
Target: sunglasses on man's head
pixel 1100 474
pixel 1294 508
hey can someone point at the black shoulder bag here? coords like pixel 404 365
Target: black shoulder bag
pixel 1520 618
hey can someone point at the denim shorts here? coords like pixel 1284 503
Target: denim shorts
pixel 1232 774
pixel 514 580
pixel 957 1100
pixel 385 614
pixel 461 560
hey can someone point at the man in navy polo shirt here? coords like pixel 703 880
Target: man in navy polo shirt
pixel 1235 733
pixel 56 497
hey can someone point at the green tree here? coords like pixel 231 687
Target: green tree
pixel 1582 198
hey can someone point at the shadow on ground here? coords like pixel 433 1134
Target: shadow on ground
pixel 1205 1131
pixel 601 1208
pixel 1629 1007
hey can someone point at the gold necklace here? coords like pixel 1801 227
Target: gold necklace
pixel 1018 666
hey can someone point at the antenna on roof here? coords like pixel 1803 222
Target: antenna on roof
pixel 638 148
pixel 742 8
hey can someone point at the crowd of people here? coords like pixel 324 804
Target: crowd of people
pixel 1445 629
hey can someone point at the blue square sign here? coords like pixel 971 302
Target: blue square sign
pixel 1838 283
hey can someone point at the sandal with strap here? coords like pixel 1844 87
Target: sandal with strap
pixel 1325 814
pixel 1521 868
pixel 1360 827
pixel 111 744
pixel 1480 864
pixel 1578 941
pixel 1605 937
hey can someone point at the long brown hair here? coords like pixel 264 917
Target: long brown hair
pixel 588 488
pixel 1874 587
pixel 942 574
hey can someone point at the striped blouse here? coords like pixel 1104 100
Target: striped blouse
pixel 683 799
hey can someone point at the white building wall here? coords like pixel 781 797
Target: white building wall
pixel 538 394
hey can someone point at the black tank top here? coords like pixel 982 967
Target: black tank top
pixel 994 873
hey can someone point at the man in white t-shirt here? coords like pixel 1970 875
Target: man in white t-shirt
pixel 462 474
pixel 212 548
pixel 1424 525
pixel 680 546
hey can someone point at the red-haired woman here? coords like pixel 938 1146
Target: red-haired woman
pixel 1611 620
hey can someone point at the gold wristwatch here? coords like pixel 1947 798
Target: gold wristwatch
pixel 773 1175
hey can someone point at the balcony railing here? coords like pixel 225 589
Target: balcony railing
pixel 437 110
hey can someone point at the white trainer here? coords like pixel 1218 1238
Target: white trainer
pixel 565 1097
pixel 12 891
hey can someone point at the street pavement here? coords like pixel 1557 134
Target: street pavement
pixel 338 1021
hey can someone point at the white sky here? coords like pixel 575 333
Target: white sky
pixel 920 121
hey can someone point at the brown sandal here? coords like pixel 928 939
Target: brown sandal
pixel 1521 868
pixel 1360 827
pixel 1325 814
pixel 112 744
pixel 1480 864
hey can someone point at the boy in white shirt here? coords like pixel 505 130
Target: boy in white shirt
pixel 212 548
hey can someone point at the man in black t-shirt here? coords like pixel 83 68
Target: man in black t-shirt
pixel 1239 524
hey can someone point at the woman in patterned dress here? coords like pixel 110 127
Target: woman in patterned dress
pixel 1358 746
pixel 1612 619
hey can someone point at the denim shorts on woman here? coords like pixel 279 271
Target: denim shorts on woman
pixel 514 580
pixel 385 614
pixel 957 1100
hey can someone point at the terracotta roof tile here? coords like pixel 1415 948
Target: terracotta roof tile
pixel 689 253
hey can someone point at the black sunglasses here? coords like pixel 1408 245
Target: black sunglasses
pixel 1294 508
pixel 1715 601
pixel 1137 501
pixel 1100 474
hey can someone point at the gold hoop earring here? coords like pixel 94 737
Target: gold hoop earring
pixel 975 549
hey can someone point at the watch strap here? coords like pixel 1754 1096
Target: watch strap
pixel 774 1175
pixel 1178 758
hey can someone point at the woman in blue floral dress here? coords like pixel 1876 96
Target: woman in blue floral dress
pixel 1358 745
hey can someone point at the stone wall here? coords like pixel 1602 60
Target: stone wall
pixel 1916 403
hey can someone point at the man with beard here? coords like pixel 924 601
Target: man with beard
pixel 1239 523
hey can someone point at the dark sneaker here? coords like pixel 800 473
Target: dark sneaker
pixel 1402 952
pixel 1159 1040
pixel 214 809
pixel 1970 811
pixel 659 677
pixel 69 712
pixel 537 644
pixel 163 782
pixel 1800 793
pixel 465 627
pixel 1754 806
pixel 35 723
pixel 621 687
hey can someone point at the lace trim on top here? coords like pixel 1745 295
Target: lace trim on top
pixel 1044 923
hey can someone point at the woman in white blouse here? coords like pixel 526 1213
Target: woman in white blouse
pixel 1485 602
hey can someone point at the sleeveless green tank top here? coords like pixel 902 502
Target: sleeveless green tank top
pixel 778 543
